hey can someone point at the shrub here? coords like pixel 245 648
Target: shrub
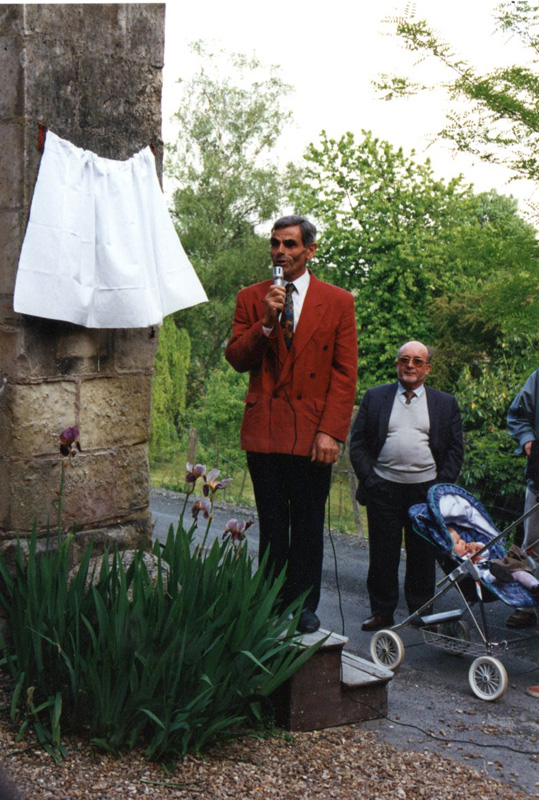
pixel 172 664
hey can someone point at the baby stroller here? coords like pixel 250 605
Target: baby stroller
pixel 451 506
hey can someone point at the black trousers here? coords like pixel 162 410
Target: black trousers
pixel 387 516
pixel 291 493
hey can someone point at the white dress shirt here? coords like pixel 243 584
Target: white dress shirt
pixel 301 285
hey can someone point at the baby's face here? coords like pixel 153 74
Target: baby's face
pixel 459 545
pixel 461 548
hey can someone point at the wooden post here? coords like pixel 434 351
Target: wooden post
pixel 192 447
pixel 244 478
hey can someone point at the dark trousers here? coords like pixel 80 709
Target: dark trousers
pixel 291 493
pixel 387 516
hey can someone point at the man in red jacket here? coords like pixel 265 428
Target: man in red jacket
pixel 299 344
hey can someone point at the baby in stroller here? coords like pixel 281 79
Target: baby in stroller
pixel 514 566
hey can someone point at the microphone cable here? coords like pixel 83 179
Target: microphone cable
pixel 444 739
pixel 335 561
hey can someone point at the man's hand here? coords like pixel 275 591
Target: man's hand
pixel 528 448
pixel 325 449
pixel 274 301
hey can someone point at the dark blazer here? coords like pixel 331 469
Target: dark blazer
pixel 369 433
pixel 295 394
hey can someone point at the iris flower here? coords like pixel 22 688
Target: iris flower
pixel 236 530
pixel 201 504
pixel 194 472
pixel 211 484
pixel 69 440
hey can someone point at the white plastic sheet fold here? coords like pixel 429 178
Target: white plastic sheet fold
pixel 100 248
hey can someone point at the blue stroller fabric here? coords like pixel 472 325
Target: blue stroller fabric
pixel 448 505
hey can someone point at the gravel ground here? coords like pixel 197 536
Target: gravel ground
pixel 346 762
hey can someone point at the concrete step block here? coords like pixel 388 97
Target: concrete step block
pixel 332 688
pixel 357 671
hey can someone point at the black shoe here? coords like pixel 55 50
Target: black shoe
pixel 501 574
pixel 308 621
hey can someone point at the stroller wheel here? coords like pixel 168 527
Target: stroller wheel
pixel 387 649
pixel 488 678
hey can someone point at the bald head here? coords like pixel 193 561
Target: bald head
pixel 416 346
pixel 413 364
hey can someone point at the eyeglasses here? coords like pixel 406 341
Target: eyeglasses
pixel 415 360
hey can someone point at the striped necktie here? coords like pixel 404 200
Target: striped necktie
pixel 287 317
pixel 408 393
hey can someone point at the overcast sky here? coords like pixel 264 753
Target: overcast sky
pixel 330 53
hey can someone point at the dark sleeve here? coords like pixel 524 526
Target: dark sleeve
pixel 452 452
pixel 522 413
pixel 360 451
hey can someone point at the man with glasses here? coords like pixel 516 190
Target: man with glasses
pixel 299 344
pixel 406 437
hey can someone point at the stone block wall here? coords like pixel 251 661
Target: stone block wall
pixel 91 73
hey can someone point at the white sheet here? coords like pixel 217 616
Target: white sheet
pixel 100 249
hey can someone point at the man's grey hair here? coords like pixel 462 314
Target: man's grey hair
pixel 308 230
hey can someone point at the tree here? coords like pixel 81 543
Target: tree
pixel 432 261
pixel 218 416
pixel 485 391
pixel 227 186
pixel 415 249
pixel 500 118
pixel 169 386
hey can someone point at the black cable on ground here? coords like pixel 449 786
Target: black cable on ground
pixel 444 739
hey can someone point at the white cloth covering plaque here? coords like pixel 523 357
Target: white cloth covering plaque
pixel 100 248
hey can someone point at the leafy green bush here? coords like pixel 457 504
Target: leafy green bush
pixel 171 664
pixel 218 414
pixel 169 385
pixel 491 469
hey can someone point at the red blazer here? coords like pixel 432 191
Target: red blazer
pixel 295 394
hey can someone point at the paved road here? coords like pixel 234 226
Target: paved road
pixel 431 705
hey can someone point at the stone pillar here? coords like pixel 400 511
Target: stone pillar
pixel 92 74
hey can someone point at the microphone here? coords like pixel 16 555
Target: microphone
pixel 278 276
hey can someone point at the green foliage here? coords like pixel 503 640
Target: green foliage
pixel 227 185
pixel 171 664
pixel 169 386
pixel 219 412
pixel 432 261
pixel 416 251
pixel 364 196
pixel 210 325
pixel 493 311
pixel 500 120
pixel 485 391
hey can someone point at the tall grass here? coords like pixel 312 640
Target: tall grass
pixel 342 508
pixel 170 664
